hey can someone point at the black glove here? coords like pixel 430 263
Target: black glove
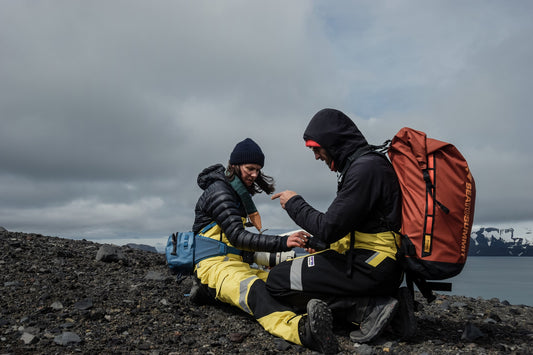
pixel 315 243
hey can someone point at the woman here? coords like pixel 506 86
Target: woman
pixel 222 212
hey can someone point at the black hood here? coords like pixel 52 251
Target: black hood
pixel 336 133
pixel 210 175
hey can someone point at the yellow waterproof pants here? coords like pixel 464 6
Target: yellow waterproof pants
pixel 240 285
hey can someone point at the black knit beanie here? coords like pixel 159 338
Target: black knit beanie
pixel 247 152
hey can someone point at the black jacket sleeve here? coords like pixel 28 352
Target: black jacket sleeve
pixel 357 206
pixel 223 206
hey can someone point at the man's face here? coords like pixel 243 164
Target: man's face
pixel 321 154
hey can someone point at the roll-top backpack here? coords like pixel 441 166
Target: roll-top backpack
pixel 438 199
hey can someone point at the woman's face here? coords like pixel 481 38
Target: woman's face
pixel 249 173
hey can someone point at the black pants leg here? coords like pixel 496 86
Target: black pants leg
pixel 325 275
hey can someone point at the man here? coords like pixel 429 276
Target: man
pixel 357 273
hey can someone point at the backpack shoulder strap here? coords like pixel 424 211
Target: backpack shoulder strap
pixel 380 149
pixel 208 227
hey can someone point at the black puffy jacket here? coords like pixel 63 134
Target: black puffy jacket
pixel 368 198
pixel 220 203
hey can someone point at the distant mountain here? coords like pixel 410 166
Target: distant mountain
pixel 490 241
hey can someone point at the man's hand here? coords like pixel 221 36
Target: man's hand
pixel 284 196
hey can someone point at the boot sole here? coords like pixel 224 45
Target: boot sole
pixel 321 323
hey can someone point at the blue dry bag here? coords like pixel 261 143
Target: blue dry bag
pixel 185 249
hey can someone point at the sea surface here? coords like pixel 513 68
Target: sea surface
pixel 505 277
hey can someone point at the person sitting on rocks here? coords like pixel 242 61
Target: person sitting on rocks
pixel 357 272
pixel 226 201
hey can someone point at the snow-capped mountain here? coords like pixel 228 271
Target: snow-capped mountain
pixel 501 241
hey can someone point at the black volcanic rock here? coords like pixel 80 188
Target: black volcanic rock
pixel 56 298
pixel 142 247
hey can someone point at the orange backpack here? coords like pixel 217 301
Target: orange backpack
pixel 438 198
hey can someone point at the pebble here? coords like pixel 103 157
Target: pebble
pixel 67 338
pixel 109 253
pixel 56 306
pixel 84 304
pixel 471 333
pixel 28 338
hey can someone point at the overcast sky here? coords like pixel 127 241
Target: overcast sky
pixel 110 109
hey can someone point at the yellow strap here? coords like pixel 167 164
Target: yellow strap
pixel 384 242
pixel 427 243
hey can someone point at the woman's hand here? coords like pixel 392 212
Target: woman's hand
pixel 298 239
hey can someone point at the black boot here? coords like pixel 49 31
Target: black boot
pixel 372 314
pixel 199 294
pixel 316 329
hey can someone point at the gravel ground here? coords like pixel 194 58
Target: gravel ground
pixel 61 296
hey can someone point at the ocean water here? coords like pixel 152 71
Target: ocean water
pixel 504 277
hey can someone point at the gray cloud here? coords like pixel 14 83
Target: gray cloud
pixel 110 109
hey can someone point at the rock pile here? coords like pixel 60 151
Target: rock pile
pixel 74 296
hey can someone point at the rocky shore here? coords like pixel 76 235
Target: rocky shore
pixel 63 296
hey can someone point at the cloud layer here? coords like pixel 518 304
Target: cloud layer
pixel 110 109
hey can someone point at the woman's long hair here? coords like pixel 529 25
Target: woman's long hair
pixel 262 182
